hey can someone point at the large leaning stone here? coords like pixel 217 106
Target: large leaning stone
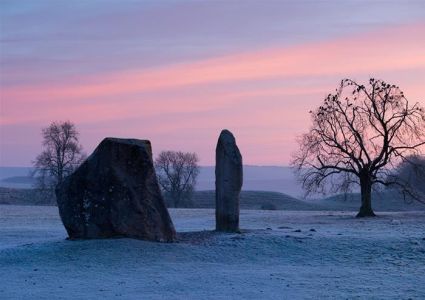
pixel 228 183
pixel 115 193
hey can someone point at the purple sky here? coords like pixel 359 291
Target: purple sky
pixel 177 72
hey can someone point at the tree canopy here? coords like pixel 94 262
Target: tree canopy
pixel 358 136
pixel 177 172
pixel 61 154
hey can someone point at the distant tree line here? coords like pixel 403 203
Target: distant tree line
pixel 62 153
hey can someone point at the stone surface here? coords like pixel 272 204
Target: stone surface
pixel 115 193
pixel 228 182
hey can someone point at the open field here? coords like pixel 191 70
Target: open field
pixel 278 255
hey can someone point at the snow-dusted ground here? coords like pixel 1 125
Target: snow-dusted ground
pixel 278 255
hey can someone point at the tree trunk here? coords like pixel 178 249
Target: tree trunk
pixel 176 198
pixel 366 194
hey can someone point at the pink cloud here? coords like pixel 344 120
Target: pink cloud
pixel 384 50
pixel 263 96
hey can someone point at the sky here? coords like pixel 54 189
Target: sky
pixel 177 72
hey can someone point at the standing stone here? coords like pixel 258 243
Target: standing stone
pixel 114 193
pixel 228 183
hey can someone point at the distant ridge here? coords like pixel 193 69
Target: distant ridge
pixel 261 200
pixel 16 177
pixel 264 200
pixel 257 178
pixel 381 201
pixel 6 172
pixel 19 179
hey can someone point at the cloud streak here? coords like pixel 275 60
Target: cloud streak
pixel 385 50
pixel 263 95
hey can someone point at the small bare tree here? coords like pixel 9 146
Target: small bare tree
pixel 411 173
pixel 177 172
pixel 61 154
pixel 358 137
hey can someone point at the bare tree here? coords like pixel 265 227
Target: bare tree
pixel 411 173
pixel 177 172
pixel 358 136
pixel 61 154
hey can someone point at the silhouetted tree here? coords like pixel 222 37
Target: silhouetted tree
pixel 61 154
pixel 411 174
pixel 177 172
pixel 358 136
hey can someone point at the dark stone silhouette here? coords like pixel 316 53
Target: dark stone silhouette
pixel 115 193
pixel 228 182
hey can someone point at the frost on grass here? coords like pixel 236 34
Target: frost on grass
pixel 277 255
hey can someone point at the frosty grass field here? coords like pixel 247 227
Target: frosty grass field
pixel 278 255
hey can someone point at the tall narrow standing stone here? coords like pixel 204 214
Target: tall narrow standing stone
pixel 228 182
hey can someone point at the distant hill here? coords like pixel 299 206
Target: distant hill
pixel 382 201
pixel 256 200
pixel 262 200
pixel 264 187
pixel 256 178
pixel 19 180
pixel 16 177
pixel 202 199
pixel 6 172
